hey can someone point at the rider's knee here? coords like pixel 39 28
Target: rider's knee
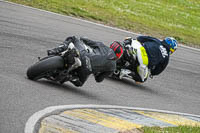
pixel 143 72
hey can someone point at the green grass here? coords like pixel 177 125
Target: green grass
pixel 179 129
pixel 158 18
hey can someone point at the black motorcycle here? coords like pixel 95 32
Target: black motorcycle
pixel 56 67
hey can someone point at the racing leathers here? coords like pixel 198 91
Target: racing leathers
pixel 158 53
pixel 149 55
pixel 97 60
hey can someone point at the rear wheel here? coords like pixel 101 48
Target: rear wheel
pixel 39 69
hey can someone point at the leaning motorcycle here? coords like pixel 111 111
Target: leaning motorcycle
pixel 56 68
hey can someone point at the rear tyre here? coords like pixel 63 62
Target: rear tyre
pixel 39 69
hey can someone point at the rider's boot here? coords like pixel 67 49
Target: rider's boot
pixel 124 73
pixel 71 61
pixel 76 82
pixel 54 51
pixel 59 49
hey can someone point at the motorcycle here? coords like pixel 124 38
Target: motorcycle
pixel 56 67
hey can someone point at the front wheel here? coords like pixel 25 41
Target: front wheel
pixel 44 66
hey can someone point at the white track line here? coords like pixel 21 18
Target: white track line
pixel 32 122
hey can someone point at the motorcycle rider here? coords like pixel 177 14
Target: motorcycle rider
pixel 151 54
pixel 100 61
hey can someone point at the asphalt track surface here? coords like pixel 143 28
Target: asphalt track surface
pixel 27 33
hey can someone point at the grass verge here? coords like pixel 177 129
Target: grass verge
pixel 179 129
pixel 158 18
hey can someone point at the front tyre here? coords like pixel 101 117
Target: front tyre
pixel 44 66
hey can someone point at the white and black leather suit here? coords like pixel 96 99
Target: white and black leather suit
pixel 158 53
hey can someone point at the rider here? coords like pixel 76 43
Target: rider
pixel 101 62
pixel 151 54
